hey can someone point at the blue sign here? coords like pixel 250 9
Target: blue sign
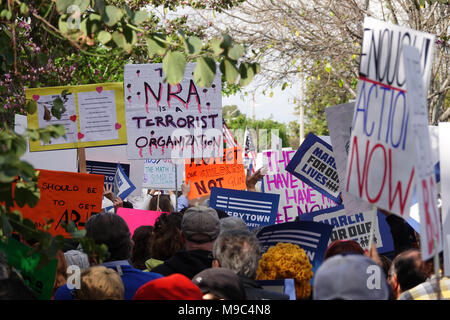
pixel 108 169
pixel 310 236
pixel 122 184
pixel 314 164
pixel 255 208
pixel 354 227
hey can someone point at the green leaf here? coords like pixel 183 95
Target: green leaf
pixel 247 72
pixel 229 71
pixel 194 45
pixel 24 9
pixel 227 41
pixel 328 67
pixel 174 63
pixel 62 24
pixel 120 40
pixel 216 46
pixel 139 17
pixel 62 5
pixel 111 15
pixel 284 86
pixel 58 108
pixel 104 37
pixel 236 52
pixel 205 71
pixel 155 46
pixel 31 106
pixel 130 35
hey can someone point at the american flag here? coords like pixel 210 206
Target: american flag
pixel 228 137
pixel 250 153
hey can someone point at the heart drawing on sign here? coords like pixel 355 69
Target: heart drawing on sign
pixel 80 136
pixel 117 126
pixel 99 89
pixel 36 97
pixel 73 118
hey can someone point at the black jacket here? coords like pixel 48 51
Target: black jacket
pixel 254 291
pixel 188 263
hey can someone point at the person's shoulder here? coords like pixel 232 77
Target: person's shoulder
pixel 63 293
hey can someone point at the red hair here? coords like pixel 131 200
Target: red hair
pixel 341 246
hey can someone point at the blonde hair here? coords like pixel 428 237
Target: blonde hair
pixel 284 261
pixel 100 283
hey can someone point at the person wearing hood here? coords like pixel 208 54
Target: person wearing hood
pixel 199 230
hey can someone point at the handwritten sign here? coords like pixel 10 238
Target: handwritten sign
pixel 314 164
pixel 171 121
pixel 255 208
pixel 161 174
pixel 430 227
pixel 40 280
pixel 65 196
pixel 136 218
pixel 339 119
pixel 380 165
pixel 354 227
pixel 444 160
pixel 308 235
pixel 94 115
pixel 226 172
pixel 296 197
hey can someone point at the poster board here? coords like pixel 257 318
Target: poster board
pixel 94 115
pixel 171 121
pixel 136 217
pixel 161 174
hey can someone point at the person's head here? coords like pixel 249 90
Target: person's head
pixel 230 223
pixel 165 239
pixel 100 283
pixel 350 277
pixel 219 284
pixel 407 271
pixel 199 228
pixel 161 202
pixel 173 287
pixel 285 261
pixel 110 229
pixel 342 246
pixel 77 258
pixel 141 246
pixel 239 251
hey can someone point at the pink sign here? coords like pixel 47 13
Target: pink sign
pixel 136 218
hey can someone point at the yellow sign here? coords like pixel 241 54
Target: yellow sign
pixel 94 116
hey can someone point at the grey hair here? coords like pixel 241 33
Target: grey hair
pixel 232 223
pixel 238 250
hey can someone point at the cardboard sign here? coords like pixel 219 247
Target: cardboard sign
pixel 122 184
pixel 226 172
pixel 255 208
pixel 296 197
pixel 171 121
pixel 354 227
pixel 380 165
pixel 65 196
pixel 40 280
pixel 94 115
pixel 159 174
pixel 430 228
pixel 339 119
pixel 314 164
pixel 310 236
pixel 108 169
pixel 59 160
pixel 136 218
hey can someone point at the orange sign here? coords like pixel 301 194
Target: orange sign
pixel 227 172
pixel 65 196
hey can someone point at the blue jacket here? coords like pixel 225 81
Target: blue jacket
pixel 132 280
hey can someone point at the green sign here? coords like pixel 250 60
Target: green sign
pixel 40 280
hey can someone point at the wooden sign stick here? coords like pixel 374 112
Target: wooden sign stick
pixel 82 160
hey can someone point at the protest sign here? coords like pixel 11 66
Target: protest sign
pixel 136 218
pixel 339 120
pixel 94 115
pixel 354 227
pixel 255 208
pixel 118 154
pixel 40 279
pixel 171 121
pixel 314 164
pixel 161 174
pixel 430 228
pixel 122 184
pixel 380 168
pixel 108 169
pixel 444 160
pixel 65 197
pixel 226 172
pixel 296 197
pixel 59 160
pixel 310 236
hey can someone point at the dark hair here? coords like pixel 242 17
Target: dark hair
pixel 409 268
pixel 342 246
pixel 15 289
pixel 110 229
pixel 141 248
pixel 165 204
pixel 165 239
pixel 127 204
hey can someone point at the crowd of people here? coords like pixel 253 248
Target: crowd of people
pixel 200 253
